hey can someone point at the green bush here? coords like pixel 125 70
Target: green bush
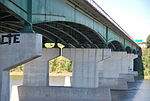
pixel 60 65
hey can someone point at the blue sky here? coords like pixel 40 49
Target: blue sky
pixel 132 15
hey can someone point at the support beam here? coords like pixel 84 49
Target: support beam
pixel 75 30
pixel 65 33
pixel 8 28
pixel 50 33
pixel 11 24
pixel 6 16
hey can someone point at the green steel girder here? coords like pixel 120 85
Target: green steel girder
pixel 61 35
pixel 1 31
pixel 95 37
pixel 47 38
pixel 116 46
pixel 48 33
pixel 80 33
pixel 61 31
pixel 79 12
pixel 11 29
pixel 78 36
pixel 15 8
pixel 128 49
pixel 5 16
pixel 11 24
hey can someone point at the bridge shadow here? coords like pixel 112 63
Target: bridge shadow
pixel 135 92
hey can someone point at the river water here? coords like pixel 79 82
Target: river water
pixel 138 91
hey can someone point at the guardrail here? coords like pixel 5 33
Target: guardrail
pixel 94 4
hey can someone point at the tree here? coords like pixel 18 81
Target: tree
pixel 148 41
pixel 146 61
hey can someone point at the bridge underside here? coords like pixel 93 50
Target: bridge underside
pixel 9 21
pixel 69 34
pixel 116 46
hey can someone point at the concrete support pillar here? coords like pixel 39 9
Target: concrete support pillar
pixel 111 72
pixel 4 86
pixel 127 71
pixel 130 59
pixel 112 66
pixel 85 65
pixel 28 48
pixel 16 49
pixel 84 80
pixel 36 72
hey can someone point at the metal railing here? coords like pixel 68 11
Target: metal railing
pixel 94 4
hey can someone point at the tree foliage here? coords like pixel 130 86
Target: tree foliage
pixel 148 41
pixel 18 69
pixel 57 65
pixel 60 65
pixel 146 61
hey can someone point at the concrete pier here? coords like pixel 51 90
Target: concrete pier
pixel 21 49
pixel 63 94
pixel 85 77
pixel 36 72
pixel 111 72
pixel 4 85
pixel 85 65
pixel 127 71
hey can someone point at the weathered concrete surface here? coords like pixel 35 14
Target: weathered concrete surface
pixel 30 47
pixel 63 94
pixel 111 72
pixel 112 66
pixel 85 75
pixel 113 83
pixel 4 86
pixel 36 72
pixel 130 62
pixel 12 55
pixel 128 77
pixel 86 65
pixel 127 67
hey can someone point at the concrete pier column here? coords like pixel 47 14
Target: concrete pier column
pixel 84 80
pixel 67 81
pixel 111 72
pixel 36 72
pixel 112 66
pixel 16 49
pixel 130 59
pixel 4 86
pixel 127 71
pixel 85 69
